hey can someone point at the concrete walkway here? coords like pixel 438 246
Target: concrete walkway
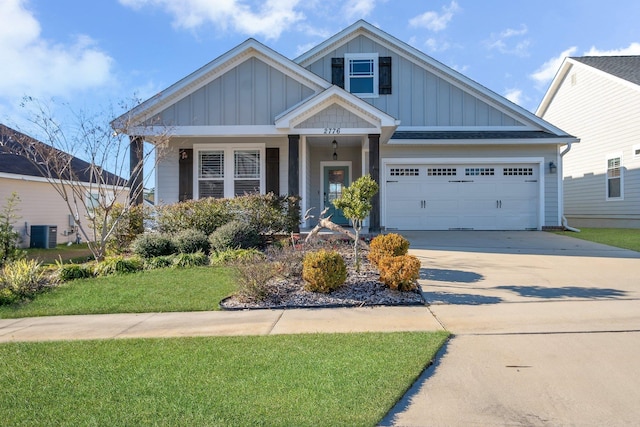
pixel 221 323
pixel 546 332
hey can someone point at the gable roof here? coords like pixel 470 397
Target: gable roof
pixel 624 67
pixel 11 162
pixel 448 74
pixel 251 48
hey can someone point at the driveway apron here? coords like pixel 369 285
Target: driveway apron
pixel 546 331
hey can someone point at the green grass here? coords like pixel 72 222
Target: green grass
pixel 77 253
pixel 278 380
pixel 189 289
pixel 626 238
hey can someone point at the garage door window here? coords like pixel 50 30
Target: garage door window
pixel 479 171
pixel 404 172
pixel 517 171
pixel 442 172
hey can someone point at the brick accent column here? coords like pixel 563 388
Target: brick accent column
pixel 374 171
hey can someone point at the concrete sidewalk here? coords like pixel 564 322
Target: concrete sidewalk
pixel 219 323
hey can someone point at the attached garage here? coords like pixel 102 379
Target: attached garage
pixel 464 196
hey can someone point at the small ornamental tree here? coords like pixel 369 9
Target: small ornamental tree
pixel 8 236
pixel 355 203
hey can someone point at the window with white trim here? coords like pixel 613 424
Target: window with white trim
pixel 636 151
pixel 614 177
pixel 229 171
pixel 246 172
pixel 211 174
pixel 361 74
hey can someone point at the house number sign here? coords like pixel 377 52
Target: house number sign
pixel 331 131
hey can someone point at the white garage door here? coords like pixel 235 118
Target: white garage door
pixel 446 197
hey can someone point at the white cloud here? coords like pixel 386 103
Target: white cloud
pixel 632 49
pixel 268 20
pixel 435 21
pixel 548 70
pixel 514 95
pixel 37 67
pixel 504 42
pixel 434 45
pixel 357 9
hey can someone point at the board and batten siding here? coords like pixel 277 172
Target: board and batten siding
pixel 253 93
pixel 496 152
pixel 604 113
pixel 419 97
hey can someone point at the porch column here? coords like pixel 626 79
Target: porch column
pixel 294 167
pixel 374 171
pixel 136 170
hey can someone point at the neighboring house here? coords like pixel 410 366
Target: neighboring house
pixel 447 152
pixel 40 203
pixel 597 98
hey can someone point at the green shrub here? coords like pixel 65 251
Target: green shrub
pixel 386 245
pixel 21 279
pixel 234 235
pixel 205 215
pixel 9 238
pixel 158 262
pixel 125 222
pixel 149 245
pixel 190 241
pixel 195 259
pixel 66 272
pixel 323 271
pixel 231 255
pixel 253 278
pixel 118 264
pixel 400 272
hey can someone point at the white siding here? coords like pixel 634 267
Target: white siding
pixel 604 113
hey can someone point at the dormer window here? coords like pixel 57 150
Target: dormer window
pixel 361 74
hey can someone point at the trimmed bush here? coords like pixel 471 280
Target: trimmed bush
pixel 149 245
pixel 195 259
pixel 232 255
pixel 191 241
pixel 20 279
pixel 67 272
pixel 323 271
pixel 234 235
pixel 117 265
pixel 400 272
pixel 203 214
pixel 386 245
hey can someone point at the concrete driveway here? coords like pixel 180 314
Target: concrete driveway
pixel 546 332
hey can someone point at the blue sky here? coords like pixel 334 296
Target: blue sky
pixel 90 53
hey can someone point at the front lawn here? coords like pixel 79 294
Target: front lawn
pixel 286 380
pixel 626 238
pixel 167 289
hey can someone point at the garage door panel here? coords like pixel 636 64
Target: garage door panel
pixel 462 196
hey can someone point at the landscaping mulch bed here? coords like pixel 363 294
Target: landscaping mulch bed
pixel 360 289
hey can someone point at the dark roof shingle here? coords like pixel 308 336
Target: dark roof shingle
pixel 624 67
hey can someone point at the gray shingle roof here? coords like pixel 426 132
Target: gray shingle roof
pixel 13 163
pixel 624 67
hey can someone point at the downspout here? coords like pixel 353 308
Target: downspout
pixel 564 218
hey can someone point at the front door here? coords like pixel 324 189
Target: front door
pixel 336 178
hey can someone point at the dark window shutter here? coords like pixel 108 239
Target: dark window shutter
pixel 185 175
pixel 337 72
pixel 272 172
pixel 384 75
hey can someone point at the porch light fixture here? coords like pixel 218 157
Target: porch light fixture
pixel 334 144
pixel 552 167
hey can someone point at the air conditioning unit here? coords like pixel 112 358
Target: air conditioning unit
pixel 44 236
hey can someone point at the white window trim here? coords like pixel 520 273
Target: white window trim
pixel 347 77
pixel 606 177
pixel 229 165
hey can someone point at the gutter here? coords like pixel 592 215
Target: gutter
pixel 564 218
